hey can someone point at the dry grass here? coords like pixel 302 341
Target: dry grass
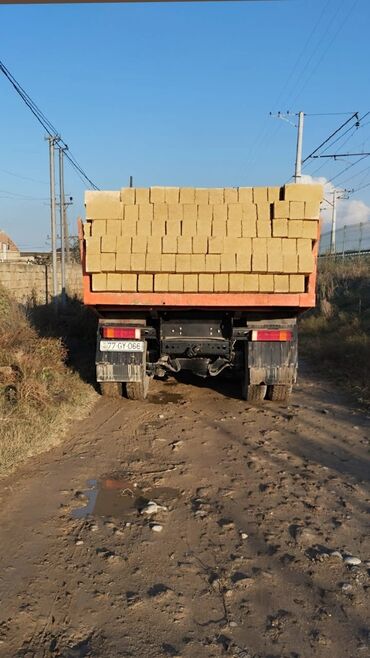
pixel 336 335
pixel 39 394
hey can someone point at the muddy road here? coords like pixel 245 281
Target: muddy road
pixel 193 525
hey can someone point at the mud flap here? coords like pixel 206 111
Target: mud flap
pixel 272 362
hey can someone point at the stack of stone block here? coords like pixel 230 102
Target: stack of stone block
pixel 170 239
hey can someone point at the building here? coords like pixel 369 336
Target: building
pixel 8 249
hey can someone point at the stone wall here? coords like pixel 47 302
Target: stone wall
pixel 29 283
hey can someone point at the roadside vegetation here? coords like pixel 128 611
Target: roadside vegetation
pixel 336 335
pixel 39 394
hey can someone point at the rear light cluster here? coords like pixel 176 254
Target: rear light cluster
pixel 120 332
pixel 272 335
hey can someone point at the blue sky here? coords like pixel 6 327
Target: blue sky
pixel 177 94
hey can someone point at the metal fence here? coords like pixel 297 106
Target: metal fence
pixel 352 239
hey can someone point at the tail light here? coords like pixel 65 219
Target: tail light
pixel 272 335
pixel 121 332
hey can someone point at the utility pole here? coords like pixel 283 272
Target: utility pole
pixel 333 223
pixel 62 224
pixel 52 140
pixel 298 160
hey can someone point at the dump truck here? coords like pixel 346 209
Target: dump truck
pixel 207 280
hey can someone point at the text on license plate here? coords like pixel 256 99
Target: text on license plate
pixel 122 346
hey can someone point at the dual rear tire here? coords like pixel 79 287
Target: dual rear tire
pixel 259 392
pixel 133 390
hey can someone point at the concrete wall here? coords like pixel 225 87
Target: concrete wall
pixel 32 284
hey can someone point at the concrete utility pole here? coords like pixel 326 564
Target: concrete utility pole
pixel 333 223
pixel 52 140
pixel 298 160
pixel 62 224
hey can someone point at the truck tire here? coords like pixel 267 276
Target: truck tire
pixel 111 389
pixel 254 392
pixel 279 392
pixel 138 390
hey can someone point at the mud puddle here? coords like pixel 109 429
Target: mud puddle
pixel 165 397
pixel 121 499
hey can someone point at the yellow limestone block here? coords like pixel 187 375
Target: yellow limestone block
pixel 145 282
pixel 263 229
pixel 304 246
pixel 259 262
pixel 296 210
pixel 263 212
pixel 108 262
pixel 101 205
pixel 205 283
pixel 201 195
pixel 215 245
pixel 93 263
pixel 157 195
pixel 128 227
pixel 275 261
pixel 219 212
pixel 183 263
pixel 139 245
pixel 93 245
pixel 213 263
pixel 280 210
pixel 128 196
pixel 109 243
pixel 228 262
pixel 175 212
pixel 216 195
pixel 114 227
pixel 231 194
pixel 243 261
pixel 249 228
pixel 280 228
pixel 221 282
pixel 249 211
pixel 250 282
pixel 289 245
pixel 169 244
pixel 137 263
pixel 123 262
pixel 281 282
pixel 159 227
pixel 231 245
pixel 204 226
pixel 173 227
pixel 142 195
pixel 98 227
pixel 131 213
pixel 266 282
pixel 176 282
pixel 168 263
pixel 160 211
pixel 87 229
pixel 310 229
pixel 273 194
pixel 295 228
pixel 290 262
pixel 187 195
pixel 306 263
pixel 161 282
pixel 190 212
pixel 199 244
pixel 274 244
pixel 190 283
pixel 198 262
pixel 245 195
pixel 236 282
pixel 184 245
pixel 204 213
pixel 234 212
pixel 312 210
pixel 297 283
pixel 114 281
pixel 154 244
pixel 259 245
pixel 219 228
pixel 129 283
pixel 302 192
pixel 153 262
pixel 234 228
pixel 172 195
pixel 98 282
pixel 260 195
pixel 146 212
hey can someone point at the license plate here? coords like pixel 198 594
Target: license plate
pixel 122 346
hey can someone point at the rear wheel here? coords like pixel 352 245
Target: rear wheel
pixel 138 390
pixel 279 392
pixel 254 392
pixel 111 389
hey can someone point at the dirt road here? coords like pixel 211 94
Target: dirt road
pixel 246 555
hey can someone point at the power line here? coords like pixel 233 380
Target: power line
pixel 355 114
pixel 44 122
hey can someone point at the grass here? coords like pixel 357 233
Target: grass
pixel 39 394
pixel 336 335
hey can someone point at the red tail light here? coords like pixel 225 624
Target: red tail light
pixel 121 332
pixel 272 335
